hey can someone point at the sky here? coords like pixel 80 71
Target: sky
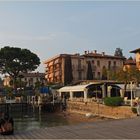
pixel 49 28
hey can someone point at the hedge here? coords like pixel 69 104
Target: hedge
pixel 113 101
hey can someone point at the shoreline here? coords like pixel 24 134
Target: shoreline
pixel 76 117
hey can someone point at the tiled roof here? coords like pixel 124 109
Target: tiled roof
pixel 102 56
pixel 130 62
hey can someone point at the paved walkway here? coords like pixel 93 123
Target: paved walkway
pixel 111 129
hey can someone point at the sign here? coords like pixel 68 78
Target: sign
pixel 10 101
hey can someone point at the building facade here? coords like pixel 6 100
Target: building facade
pixel 137 57
pixel 101 62
pixel 129 63
pixel 56 70
pixel 29 78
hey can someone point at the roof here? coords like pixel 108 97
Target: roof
pixel 98 55
pixel 76 88
pixel 62 55
pixel 130 62
pixel 135 51
pixel 128 87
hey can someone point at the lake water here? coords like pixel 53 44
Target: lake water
pixel 27 118
pixel 39 121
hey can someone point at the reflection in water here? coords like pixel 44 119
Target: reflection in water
pixel 27 118
pixel 29 122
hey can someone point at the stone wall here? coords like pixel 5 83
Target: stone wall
pixel 100 109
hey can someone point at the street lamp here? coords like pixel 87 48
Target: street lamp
pixel 131 87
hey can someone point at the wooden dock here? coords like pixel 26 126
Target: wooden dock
pixel 111 129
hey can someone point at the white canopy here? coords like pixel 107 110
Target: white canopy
pixel 76 88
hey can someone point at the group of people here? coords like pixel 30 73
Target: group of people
pixel 6 124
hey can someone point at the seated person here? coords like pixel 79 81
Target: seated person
pixel 6 125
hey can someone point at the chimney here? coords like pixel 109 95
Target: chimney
pixel 77 54
pixel 95 51
pixel 103 53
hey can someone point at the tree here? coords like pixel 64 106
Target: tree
pixel 89 72
pixel 130 58
pixel 118 52
pixel 68 77
pixel 127 75
pixel 16 60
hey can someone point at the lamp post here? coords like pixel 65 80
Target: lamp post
pixel 131 93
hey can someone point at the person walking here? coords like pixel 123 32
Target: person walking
pixel 64 103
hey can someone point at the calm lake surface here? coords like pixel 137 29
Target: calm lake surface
pixel 35 121
pixel 27 118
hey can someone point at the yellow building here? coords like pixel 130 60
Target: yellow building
pixel 137 57
pixel 129 63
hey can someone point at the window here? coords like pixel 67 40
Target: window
pixel 114 63
pixel 109 64
pixel 99 75
pixel 98 63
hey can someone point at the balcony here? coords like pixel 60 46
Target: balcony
pixel 57 61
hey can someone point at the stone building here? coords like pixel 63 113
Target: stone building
pixel 56 71
pixel 101 62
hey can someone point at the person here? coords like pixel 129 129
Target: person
pixel 64 103
pixel 138 108
pixel 6 125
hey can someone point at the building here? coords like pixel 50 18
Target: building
pixel 129 63
pixel 56 68
pixel 29 78
pixel 101 62
pixel 91 91
pixel 57 71
pixel 137 57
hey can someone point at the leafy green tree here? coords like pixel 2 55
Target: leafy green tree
pixel 127 75
pixel 16 60
pixel 134 75
pixel 89 72
pixel 118 52
pixel 130 58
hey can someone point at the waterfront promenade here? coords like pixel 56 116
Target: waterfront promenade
pixel 110 129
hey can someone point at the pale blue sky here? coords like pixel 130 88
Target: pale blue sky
pixel 50 28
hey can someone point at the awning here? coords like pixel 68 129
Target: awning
pixel 76 88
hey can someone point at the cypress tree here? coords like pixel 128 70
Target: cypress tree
pixel 89 72
pixel 68 77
